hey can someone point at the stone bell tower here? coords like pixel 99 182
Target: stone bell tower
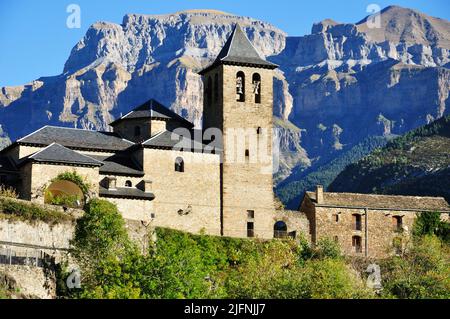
pixel 238 100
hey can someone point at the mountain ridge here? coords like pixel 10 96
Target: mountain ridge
pixel 417 163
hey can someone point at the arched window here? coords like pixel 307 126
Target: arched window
pixel 209 91
pixel 179 165
pixel 137 131
pixel 356 221
pixel 280 229
pixel 128 184
pixel 216 87
pixel 256 82
pixel 240 86
pixel 356 244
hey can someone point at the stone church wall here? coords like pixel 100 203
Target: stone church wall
pixel 189 200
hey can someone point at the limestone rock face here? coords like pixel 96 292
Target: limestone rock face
pixel 117 67
pixel 339 84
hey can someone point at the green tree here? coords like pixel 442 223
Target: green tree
pixel 423 272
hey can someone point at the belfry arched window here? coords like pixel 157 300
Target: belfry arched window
pixel 256 83
pixel 240 86
pixel 216 87
pixel 179 165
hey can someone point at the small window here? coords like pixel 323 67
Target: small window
pixel 336 218
pixel 336 239
pixel 356 222
pixel 152 215
pixel 250 229
pixel 256 82
pixel 137 131
pixel 356 244
pixel 240 86
pixel 179 165
pixel 397 223
pixel 250 214
pixel 128 184
pixel 259 130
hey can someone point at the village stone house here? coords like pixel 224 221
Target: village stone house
pixel 366 224
pixel 218 180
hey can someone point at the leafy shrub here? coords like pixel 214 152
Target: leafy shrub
pixel 73 201
pixel 8 192
pixel 327 248
pixel 422 272
pixel 430 223
pixel 31 212
pixel 106 256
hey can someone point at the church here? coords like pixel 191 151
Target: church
pixel 158 169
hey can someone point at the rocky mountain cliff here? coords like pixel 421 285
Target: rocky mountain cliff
pixel 334 88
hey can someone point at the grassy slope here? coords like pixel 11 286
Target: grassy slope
pixel 417 163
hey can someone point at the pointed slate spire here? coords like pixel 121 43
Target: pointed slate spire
pixel 238 50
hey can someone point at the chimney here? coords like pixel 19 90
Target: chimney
pixel 147 185
pixel 111 182
pixel 319 194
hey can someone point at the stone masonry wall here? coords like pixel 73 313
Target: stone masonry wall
pixel 381 232
pixel 198 187
pixel 133 209
pixel 42 174
pixel 247 181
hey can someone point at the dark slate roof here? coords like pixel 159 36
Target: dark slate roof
pixel 153 109
pixel 6 165
pixel 416 203
pixel 55 153
pixel 171 140
pixel 239 50
pixel 119 164
pixel 126 192
pixel 76 138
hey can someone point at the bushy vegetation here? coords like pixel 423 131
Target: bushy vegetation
pixel 3 292
pixel 9 192
pixel 21 210
pixel 430 223
pixel 73 201
pixel 181 265
pixel 423 272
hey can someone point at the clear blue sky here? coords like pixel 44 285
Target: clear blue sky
pixel 36 42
